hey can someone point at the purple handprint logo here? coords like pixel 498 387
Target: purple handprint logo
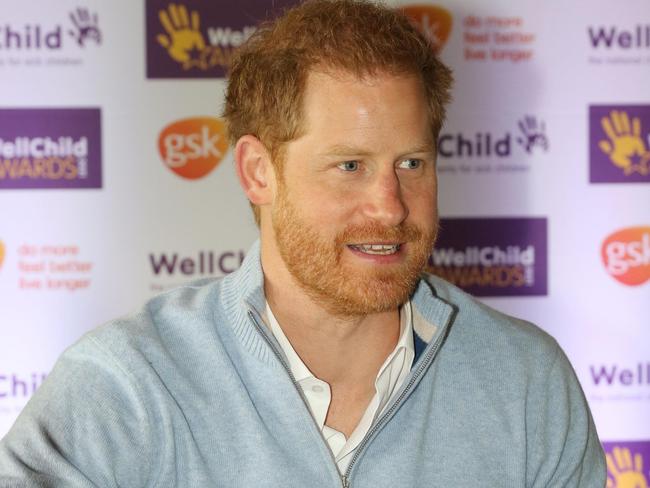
pixel 533 134
pixel 86 26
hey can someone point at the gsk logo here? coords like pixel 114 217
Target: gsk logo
pixel 619 143
pixel 192 148
pixel 626 255
pixel 432 21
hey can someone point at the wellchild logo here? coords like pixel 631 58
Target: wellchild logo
pixel 165 266
pixel 431 20
pixel 616 382
pixel 527 139
pixel 192 148
pixel 626 255
pixel 30 38
pixel 205 263
pixel 612 44
pixel 628 464
pixel 26 37
pixel 14 386
pixel 607 37
pixel 2 253
pixel 85 27
pixel 531 137
pixel 195 39
pixel 619 143
pixel 615 375
pixel 50 148
pixel 532 134
pixel 493 256
pixel 183 39
pixel 15 390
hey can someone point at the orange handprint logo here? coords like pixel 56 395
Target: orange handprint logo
pixel 624 471
pixel 625 146
pixel 184 41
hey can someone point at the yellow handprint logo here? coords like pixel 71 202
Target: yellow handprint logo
pixel 625 145
pixel 623 471
pixel 184 41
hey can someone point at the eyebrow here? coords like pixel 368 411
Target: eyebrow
pixel 348 150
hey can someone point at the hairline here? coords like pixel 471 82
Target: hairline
pixel 277 149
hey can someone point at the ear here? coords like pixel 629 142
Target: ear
pixel 255 170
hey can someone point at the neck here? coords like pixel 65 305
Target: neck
pixel 328 344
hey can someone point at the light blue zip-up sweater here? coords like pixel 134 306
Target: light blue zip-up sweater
pixel 193 391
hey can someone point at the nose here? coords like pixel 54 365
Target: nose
pixel 385 202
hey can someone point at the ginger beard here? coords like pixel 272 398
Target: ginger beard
pixel 342 288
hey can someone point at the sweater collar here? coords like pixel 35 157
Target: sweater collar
pixel 243 293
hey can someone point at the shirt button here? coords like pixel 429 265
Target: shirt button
pixel 317 389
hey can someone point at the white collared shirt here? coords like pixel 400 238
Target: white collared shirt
pixel 318 394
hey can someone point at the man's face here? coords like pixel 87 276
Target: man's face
pixel 355 213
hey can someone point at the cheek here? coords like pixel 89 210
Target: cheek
pixel 421 198
pixel 326 203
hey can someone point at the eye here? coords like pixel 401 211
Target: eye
pixel 349 165
pixel 410 163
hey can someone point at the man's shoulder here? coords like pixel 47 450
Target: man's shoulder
pixel 181 316
pixel 494 370
pixel 502 357
pixel 479 328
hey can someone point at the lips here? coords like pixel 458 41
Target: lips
pixel 376 249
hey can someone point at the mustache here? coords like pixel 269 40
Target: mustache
pixel 374 232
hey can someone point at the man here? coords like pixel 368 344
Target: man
pixel 328 359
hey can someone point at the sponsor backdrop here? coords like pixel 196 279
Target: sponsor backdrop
pixel 116 180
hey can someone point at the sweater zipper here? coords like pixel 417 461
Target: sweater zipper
pixel 344 479
pixel 384 418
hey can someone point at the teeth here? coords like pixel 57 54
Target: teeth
pixel 383 249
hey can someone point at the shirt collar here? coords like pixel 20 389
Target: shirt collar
pixel 241 298
pixel 301 372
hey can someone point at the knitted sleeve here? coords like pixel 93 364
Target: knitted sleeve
pixel 563 447
pixel 85 426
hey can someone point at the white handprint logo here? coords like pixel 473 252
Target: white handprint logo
pixel 86 26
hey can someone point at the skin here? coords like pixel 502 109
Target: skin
pixel 365 159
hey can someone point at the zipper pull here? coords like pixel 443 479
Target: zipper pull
pixel 346 483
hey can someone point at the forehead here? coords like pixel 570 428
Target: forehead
pixel 328 87
pixel 377 110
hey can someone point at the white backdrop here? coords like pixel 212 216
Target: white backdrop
pixel 544 172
